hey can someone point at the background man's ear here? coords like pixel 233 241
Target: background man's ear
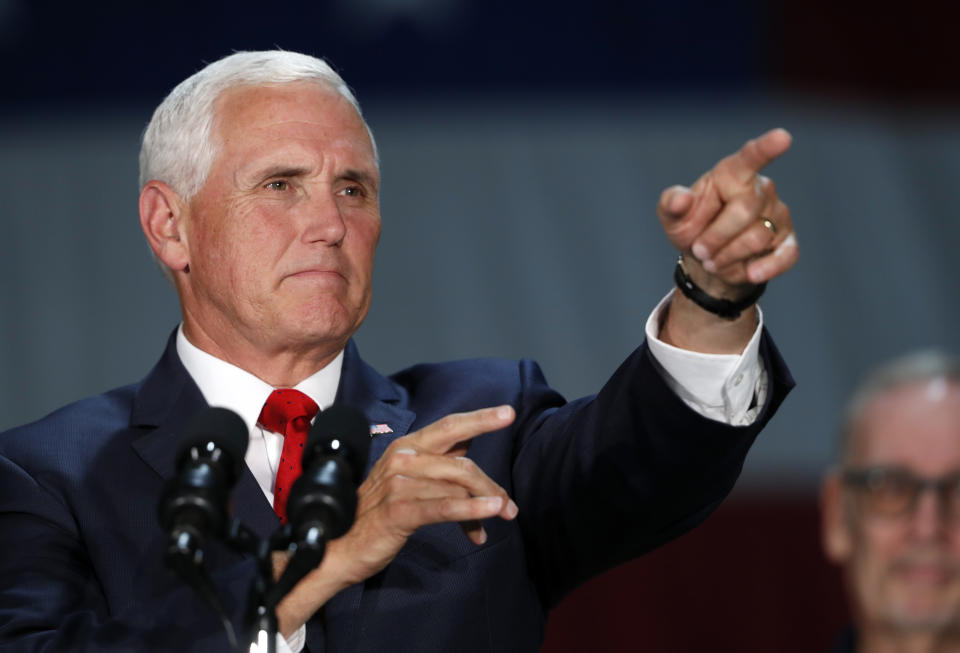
pixel 162 214
pixel 835 522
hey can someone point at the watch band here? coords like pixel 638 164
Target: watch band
pixel 728 310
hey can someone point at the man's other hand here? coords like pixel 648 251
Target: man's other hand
pixel 422 478
pixel 719 222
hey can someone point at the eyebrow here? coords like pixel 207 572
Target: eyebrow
pixel 361 176
pixel 280 171
pixel 350 174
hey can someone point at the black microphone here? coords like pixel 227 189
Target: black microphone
pixel 194 503
pixel 323 501
pixel 333 463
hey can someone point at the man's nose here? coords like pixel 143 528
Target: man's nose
pixel 931 514
pixel 322 219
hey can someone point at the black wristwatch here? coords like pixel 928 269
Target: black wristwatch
pixel 725 308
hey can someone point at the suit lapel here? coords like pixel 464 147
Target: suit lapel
pixel 168 399
pixel 164 404
pixel 381 401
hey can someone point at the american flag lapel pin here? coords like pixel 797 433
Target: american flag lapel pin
pixel 379 429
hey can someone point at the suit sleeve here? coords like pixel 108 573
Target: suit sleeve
pixel 620 473
pixel 51 599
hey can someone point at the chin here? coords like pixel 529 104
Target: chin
pixel 931 623
pixel 333 324
pixel 924 615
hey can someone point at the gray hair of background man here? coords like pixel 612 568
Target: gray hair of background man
pixel 918 367
pixel 178 147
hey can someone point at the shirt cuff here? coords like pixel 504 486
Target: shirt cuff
pixel 724 387
pixel 296 642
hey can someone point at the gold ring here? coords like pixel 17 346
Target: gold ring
pixel 768 223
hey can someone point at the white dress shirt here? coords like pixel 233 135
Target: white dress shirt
pixel 726 388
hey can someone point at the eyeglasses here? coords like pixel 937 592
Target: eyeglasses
pixel 894 491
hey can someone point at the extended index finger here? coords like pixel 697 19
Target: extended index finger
pixel 441 436
pixel 756 154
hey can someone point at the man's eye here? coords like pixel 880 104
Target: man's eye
pixel 895 487
pixel 352 191
pixel 278 185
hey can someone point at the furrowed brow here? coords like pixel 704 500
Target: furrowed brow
pixel 359 176
pixel 281 171
pixel 253 176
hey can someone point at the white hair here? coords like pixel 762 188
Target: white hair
pixel 178 147
pixel 910 369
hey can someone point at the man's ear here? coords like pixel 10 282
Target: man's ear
pixel 162 216
pixel 835 522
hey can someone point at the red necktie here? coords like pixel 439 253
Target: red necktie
pixel 288 412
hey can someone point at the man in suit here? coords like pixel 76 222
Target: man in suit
pixel 487 496
pixel 891 511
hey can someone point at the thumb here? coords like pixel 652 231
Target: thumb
pixel 674 203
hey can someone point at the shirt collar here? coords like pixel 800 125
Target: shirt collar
pixel 225 385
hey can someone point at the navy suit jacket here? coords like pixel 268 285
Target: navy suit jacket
pixel 598 481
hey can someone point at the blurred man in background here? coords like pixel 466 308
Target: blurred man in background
pixel 891 512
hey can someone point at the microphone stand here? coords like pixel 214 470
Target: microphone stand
pixel 265 592
pixel 184 555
